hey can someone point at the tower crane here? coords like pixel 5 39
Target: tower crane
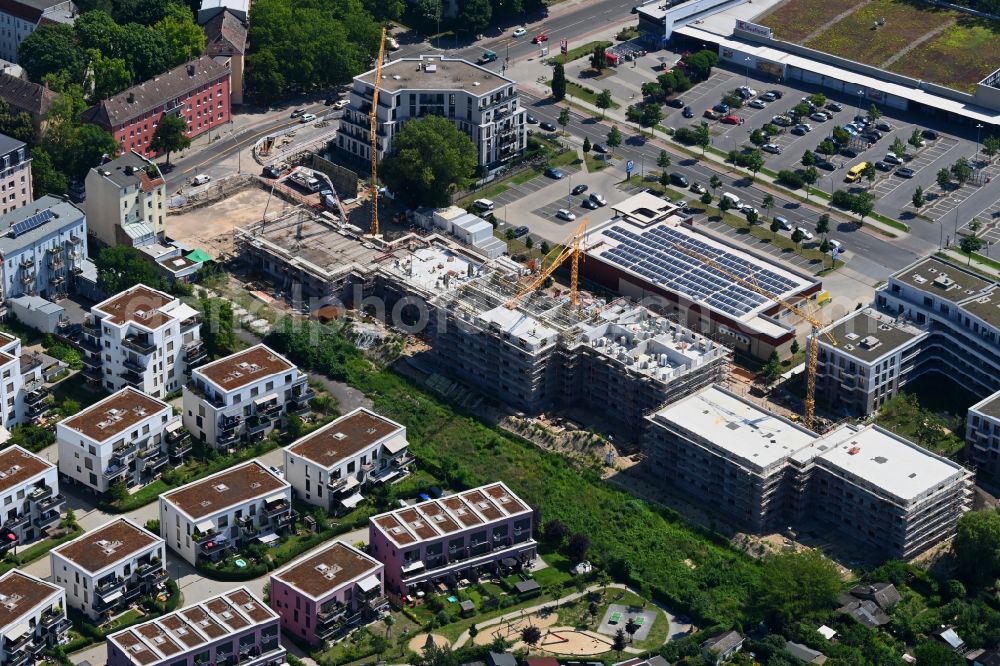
pixel 373 133
pixel 570 248
pixel 817 327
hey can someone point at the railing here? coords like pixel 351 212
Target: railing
pixel 91 329
pixel 38 409
pixel 91 346
pixel 114 471
pixel 39 493
pixel 93 373
pixel 190 323
pixel 18 521
pixel 50 618
pixel 132 378
pixel 139 345
pixel 200 537
pixel 256 424
pixel 108 586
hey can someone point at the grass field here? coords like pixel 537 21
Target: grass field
pixel 958 57
pixel 796 20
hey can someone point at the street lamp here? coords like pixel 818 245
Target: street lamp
pixel 979 128
pixel 746 81
pixel 860 93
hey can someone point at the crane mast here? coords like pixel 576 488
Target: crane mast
pixel 373 134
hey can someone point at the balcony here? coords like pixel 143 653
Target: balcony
pixel 28 276
pixel 229 421
pixel 134 365
pixel 190 323
pixel 16 646
pixel 26 263
pixel 286 519
pixel 50 619
pixel 57 279
pixel 107 587
pixel 154 461
pixel 17 522
pixel 132 378
pixel 275 509
pixel 91 327
pixel 139 344
pixel 93 374
pixel 38 409
pixel 19 659
pixel 257 424
pixel 40 493
pixel 56 262
pixel 115 471
pixel 194 353
pixel 213 399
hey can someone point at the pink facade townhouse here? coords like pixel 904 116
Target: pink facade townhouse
pixel 466 535
pixel 322 596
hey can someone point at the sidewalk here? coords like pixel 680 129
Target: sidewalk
pixel 963 260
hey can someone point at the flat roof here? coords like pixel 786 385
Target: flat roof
pixel 434 72
pixel 192 627
pixel 237 485
pixel 943 279
pixel 519 325
pixel 113 542
pixel 20 592
pixel 985 307
pixel 57 212
pixel 436 268
pixel 990 406
pixel 139 305
pixel 437 518
pixel 115 414
pixel 745 432
pixel 245 367
pixel 885 461
pixel 18 466
pixel 868 334
pixel 318 575
pixel 344 437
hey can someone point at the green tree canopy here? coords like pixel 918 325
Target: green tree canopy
pixel 170 136
pixel 430 156
pixel 121 267
pixel 795 585
pixel 45 178
pixel 218 327
pixel 185 39
pixel 474 15
pixel 558 82
pixel 51 48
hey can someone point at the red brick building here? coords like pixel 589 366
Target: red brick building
pixel 198 91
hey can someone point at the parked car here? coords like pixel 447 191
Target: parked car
pixel 531 120
pixel 298 112
pixel 777 93
pixel 747 210
pixel 883 166
pixel 521 231
pixel 687 112
pixel 599 148
pixel 873 135
pixel 548 127
pixel 826 165
pixel 806 234
pixel 783 222
pixel 539 38
pixel 579 189
pixel 781 121
pixel 675 103
pixel 698 188
pixel 818 117
pixel 721 108
pixel 552 172
pixel 930 135
pixel 270 172
pixel 892 159
pixel 587 203
pixel 836 244
pixel 730 120
pixel 483 204
pixel 772 148
pixel 746 93
pixel 757 103
pixel 905 172
pixel 883 125
pixel 520 32
pixel 201 179
pixel 678 179
pixel 307 118
pixel 340 104
pixel 848 152
pixel 833 106
pixel 769 96
pixel 598 199
pixel 567 215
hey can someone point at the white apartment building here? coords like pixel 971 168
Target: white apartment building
pixel 20 18
pixel 15 173
pixel 213 516
pixel 481 103
pixel 106 570
pixel 141 338
pixel 29 497
pixel 32 617
pixel 243 396
pixel 331 466
pixel 982 434
pixel 12 394
pixel 126 202
pixel 121 438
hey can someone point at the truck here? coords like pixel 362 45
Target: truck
pixel 307 180
pixel 487 57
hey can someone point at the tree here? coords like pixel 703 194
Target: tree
pixel 544 248
pixel 145 12
pixel 604 101
pixel 586 145
pixel 943 178
pixel 32 437
pixel 991 146
pixel 555 532
pixel 664 178
pixel 918 197
pixel 873 113
pixel 651 115
pixel 754 161
pixel 578 545
pixel 706 198
pixel 826 147
pixel 939 654
pixel 90 144
pixel 757 138
pixel 795 585
pixel 801 109
pixel 122 266
pixel 794 347
pixel 825 246
pixel 898 148
pixel 429 157
pixel 558 82
pixel 840 135
pixel 118 491
pixel 631 628
pixel 145 50
pixel 809 176
pixel 753 218
pixel 823 224
pixel 817 99
pixel 474 15
pixel 724 205
pixel 618 644
pixel 264 78
pixel 379 645
pixel 703 137
pixel 531 635
pixel 869 173
pixel 614 137
pixel 109 76
pixel 218 329
pixel 16 124
pixel 808 158
pixel 970 244
pixel 599 59
pixel 977 547
pixel 699 65
pixel 171 135
pixel 775 228
pixel 915 138
pixel 184 38
pixel 863 205
pixel 529 242
pixel 768 203
pixel 733 99
pixel 715 183
pixel 961 171
pixel 663 160
pixel 564 117
pixel 50 49
pixel 797 236
pixel 45 178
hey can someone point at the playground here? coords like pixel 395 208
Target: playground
pixel 555 640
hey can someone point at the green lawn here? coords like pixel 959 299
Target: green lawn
pixel 931 412
pixel 579 52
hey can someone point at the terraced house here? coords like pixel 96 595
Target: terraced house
pixel 330 467
pixel 29 492
pixel 244 396
pixel 32 617
pixel 109 569
pixel 204 520
pixel 323 596
pixel 122 438
pixel 232 628
pixel 479 531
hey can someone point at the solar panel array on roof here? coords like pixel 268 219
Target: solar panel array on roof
pixel 653 254
pixel 30 223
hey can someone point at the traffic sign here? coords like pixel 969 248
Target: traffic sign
pixel 629 167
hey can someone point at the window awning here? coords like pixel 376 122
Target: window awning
pixel 396 445
pixel 205 526
pixel 352 501
pixel 270 537
pixel 368 584
pixel 174 426
pixel 263 400
pixel 273 499
pixel 17 632
pixel 114 596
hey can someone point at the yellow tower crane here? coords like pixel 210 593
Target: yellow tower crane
pixel 570 248
pixel 373 133
pixel 817 326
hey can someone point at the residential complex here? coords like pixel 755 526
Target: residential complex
pixel 486 529
pixel 764 472
pixel 126 202
pixel 121 439
pixel 29 489
pixel 15 174
pixel 233 627
pixel 330 466
pixel 982 434
pixel 321 597
pixel 23 96
pixel 109 569
pixel 23 396
pixel 481 103
pixel 198 91
pixel 20 18
pixel 142 338
pixel 44 248
pixel 208 518
pixel 32 617
pixel 243 396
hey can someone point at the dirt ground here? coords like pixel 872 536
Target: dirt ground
pixel 211 228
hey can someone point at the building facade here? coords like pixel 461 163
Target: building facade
pixel 121 439
pixel 481 103
pixel 206 519
pixel 226 41
pixel 455 537
pixel 198 91
pixel 141 338
pixel 126 202
pixel 23 96
pixel 330 467
pixel 323 596
pixel 244 396
pixel 234 627
pixel 20 18
pixel 107 570
pixel 32 617
pixel 43 249
pixel 982 435
pixel 29 490
pixel 15 173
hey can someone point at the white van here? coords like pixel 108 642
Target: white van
pixel 734 201
pixel 836 245
pixel 483 204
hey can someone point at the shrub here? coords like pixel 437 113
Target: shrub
pixel 790 178
pixel 842 199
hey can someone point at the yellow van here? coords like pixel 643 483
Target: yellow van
pixel 855 173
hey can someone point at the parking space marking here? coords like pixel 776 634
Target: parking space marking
pixel 925 158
